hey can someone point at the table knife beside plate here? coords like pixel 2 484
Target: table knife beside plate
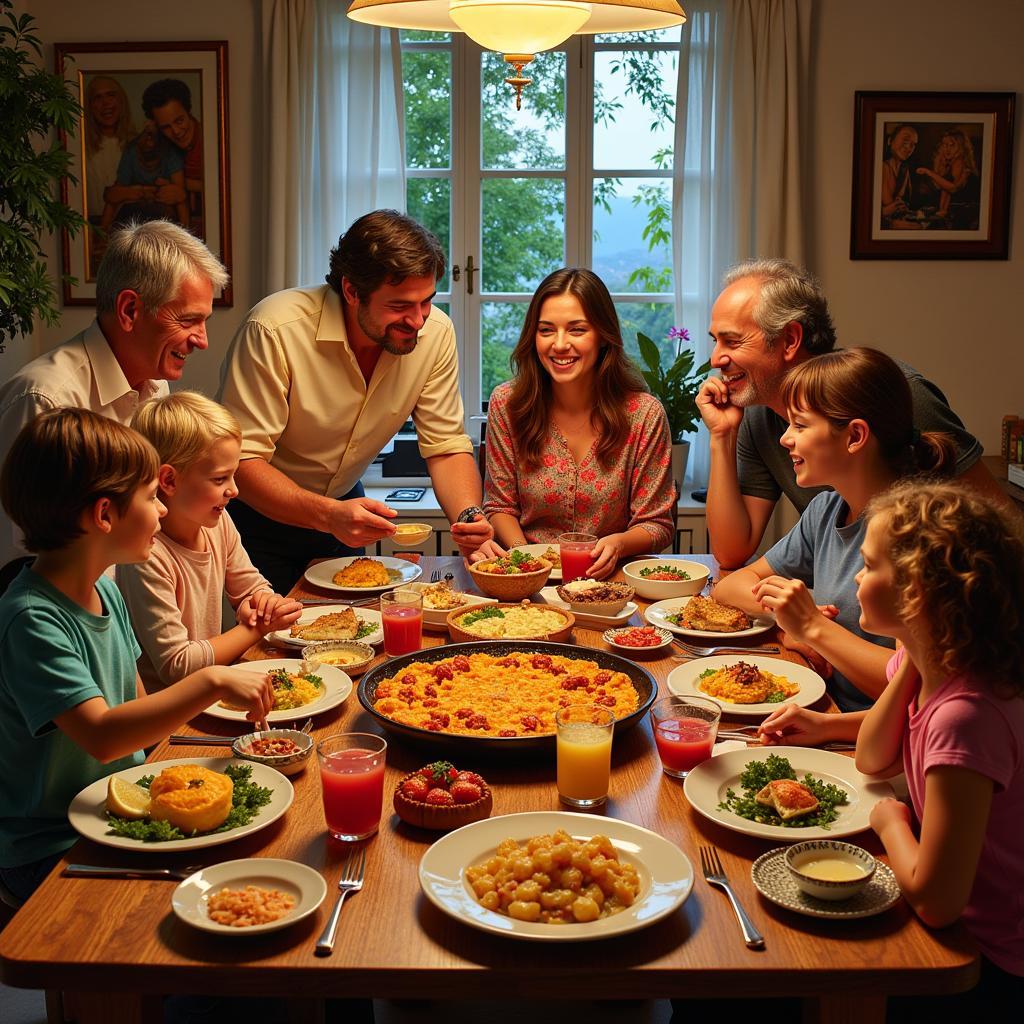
pixel 98 871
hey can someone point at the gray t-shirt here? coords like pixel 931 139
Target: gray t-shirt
pixel 825 556
pixel 765 469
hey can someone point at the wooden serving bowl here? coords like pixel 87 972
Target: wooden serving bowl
pixel 441 819
pixel 510 588
pixel 460 635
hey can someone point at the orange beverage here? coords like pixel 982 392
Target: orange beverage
pixel 584 752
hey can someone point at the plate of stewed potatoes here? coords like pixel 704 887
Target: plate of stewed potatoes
pixel 555 876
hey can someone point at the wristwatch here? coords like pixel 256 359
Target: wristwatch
pixel 467 515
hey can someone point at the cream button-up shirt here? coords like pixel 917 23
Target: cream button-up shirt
pixel 293 382
pixel 82 373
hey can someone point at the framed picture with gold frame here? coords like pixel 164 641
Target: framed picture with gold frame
pixel 152 142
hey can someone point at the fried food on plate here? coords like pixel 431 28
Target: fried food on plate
pixel 708 614
pixel 363 572
pixel 788 798
pixel 341 625
pixel 191 797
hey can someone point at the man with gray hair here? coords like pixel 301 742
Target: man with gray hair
pixel 770 316
pixel 154 294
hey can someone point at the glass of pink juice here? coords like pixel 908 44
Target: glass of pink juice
pixel 684 731
pixel 576 551
pixel 401 614
pixel 352 779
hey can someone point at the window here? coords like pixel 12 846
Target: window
pixel 581 175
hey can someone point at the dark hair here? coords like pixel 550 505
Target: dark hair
pixel 384 246
pixel 616 377
pixel 160 93
pixel 61 463
pixel 865 384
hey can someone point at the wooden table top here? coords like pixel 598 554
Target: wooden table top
pixel 88 934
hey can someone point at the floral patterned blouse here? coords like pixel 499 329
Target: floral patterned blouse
pixel 562 497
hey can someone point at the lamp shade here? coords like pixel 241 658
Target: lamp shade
pixel 519 26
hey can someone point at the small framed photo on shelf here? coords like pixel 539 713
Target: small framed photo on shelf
pixel 931 175
pixel 152 142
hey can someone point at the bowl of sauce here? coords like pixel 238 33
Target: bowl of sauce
pixel 829 869
pixel 408 534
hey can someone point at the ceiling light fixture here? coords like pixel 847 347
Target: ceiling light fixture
pixel 519 28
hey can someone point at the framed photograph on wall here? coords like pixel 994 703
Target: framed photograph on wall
pixel 152 143
pixel 931 175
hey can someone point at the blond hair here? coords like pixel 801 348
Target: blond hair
pixel 958 563
pixel 184 426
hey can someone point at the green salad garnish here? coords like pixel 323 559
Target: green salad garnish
pixel 490 612
pixel 365 629
pixel 669 570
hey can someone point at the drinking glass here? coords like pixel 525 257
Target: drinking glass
pixel 352 777
pixel 584 752
pixel 576 551
pixel 401 614
pixel 684 730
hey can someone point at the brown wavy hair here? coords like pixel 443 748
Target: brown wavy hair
pixel 529 403
pixel 865 384
pixel 958 562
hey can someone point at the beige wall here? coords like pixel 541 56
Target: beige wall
pixel 957 321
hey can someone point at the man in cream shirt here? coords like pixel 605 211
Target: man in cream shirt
pixel 154 294
pixel 322 378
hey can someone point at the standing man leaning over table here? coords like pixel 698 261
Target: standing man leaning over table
pixel 770 316
pixel 321 379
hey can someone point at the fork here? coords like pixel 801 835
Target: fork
pixel 711 865
pixel 351 881
pixel 694 651
pixel 435 576
pixel 307 726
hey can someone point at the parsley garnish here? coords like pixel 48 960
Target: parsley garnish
pixel 489 612
pixel 679 574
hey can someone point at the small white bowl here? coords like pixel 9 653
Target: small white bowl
pixel 320 654
pixel 406 535
pixel 800 855
pixel 660 590
pixel 286 764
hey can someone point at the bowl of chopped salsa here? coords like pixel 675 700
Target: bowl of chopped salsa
pixel 287 750
pixel 657 579
pixel 511 578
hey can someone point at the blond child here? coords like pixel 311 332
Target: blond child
pixel 83 489
pixel 175 596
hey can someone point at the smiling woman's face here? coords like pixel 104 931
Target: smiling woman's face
pixel 567 343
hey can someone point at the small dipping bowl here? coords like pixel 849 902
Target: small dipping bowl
pixel 351 656
pixel 811 862
pixel 408 534
pixel 286 764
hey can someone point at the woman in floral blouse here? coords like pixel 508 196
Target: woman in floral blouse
pixel 574 441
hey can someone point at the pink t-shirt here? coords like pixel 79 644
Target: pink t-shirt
pixel 974 729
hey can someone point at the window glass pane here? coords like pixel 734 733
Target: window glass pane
pixel 427 81
pixel 660 35
pixel 625 258
pixel 634 106
pixel 652 319
pixel 534 136
pixel 428 200
pixel 501 323
pixel 523 232
pixel 415 35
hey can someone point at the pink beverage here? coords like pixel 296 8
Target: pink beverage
pixel 353 785
pixel 575 563
pixel 683 743
pixel 403 629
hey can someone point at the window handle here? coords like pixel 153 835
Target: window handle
pixel 470 271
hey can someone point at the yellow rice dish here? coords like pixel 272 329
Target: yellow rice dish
pixel 365 572
pixel 290 691
pixel 525 621
pixel 744 683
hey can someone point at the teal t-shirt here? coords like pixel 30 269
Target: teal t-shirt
pixel 54 655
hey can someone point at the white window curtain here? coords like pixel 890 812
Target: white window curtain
pixel 737 187
pixel 334 139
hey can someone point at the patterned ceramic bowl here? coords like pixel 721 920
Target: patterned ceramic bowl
pixel 830 869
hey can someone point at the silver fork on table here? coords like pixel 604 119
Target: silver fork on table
pixel 714 874
pixel 694 651
pixel 435 576
pixel 351 881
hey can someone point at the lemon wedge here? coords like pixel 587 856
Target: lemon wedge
pixel 127 800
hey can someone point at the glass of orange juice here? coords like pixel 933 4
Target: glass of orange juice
pixel 584 751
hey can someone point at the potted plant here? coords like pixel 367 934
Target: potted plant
pixel 676 387
pixel 32 103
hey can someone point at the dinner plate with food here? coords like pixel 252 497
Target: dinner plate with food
pixel 369 575
pixel 331 622
pixel 596 605
pixel 704 618
pixel 250 896
pixel 549 552
pixel 440 598
pixel 184 804
pixel 747 684
pixel 630 877
pixel 784 793
pixel 298 692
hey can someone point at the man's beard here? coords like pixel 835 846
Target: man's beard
pixel 395 346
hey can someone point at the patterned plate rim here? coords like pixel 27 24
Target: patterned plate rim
pixel 609 637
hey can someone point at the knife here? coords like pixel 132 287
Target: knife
pixel 94 871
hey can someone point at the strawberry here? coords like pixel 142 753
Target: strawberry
pixel 440 798
pixel 440 773
pixel 463 792
pixel 416 788
pixel 472 777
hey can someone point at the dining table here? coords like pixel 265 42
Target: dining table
pixel 113 947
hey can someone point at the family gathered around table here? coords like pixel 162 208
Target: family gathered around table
pixel 562 735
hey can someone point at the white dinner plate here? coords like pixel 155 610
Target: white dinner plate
pixel 438 617
pixel 537 550
pixel 666 874
pixel 658 614
pixel 706 785
pixel 322 574
pixel 306 886
pixel 588 620
pixel 88 817
pixel 284 636
pixel 684 678
pixel 337 686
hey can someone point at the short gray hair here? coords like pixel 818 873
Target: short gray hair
pixel 152 259
pixel 788 294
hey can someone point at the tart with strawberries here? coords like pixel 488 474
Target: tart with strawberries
pixel 440 797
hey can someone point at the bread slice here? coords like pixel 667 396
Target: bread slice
pixel 789 799
pixel 341 625
pixel 708 614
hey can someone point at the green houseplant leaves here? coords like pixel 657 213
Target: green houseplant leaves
pixel 675 386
